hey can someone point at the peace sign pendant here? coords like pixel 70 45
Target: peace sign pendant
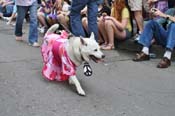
pixel 87 69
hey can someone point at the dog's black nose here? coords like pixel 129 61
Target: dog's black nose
pixel 103 56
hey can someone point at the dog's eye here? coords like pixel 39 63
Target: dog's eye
pixel 95 50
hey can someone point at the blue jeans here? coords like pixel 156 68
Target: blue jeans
pixel 163 37
pixel 8 10
pixel 33 31
pixel 75 17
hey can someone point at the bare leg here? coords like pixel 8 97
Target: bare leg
pixel 112 30
pixel 62 20
pixel 41 19
pixel 11 18
pixel 102 30
pixel 85 24
pixel 139 19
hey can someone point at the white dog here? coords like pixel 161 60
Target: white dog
pixel 62 54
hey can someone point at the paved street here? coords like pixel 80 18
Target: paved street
pixel 118 87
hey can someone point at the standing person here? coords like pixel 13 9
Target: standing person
pixel 75 16
pixel 23 6
pixel 136 7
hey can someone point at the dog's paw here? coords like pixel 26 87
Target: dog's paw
pixel 81 92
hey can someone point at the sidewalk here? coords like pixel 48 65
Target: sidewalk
pixel 118 86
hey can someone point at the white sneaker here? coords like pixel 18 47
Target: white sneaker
pixel 6 18
pixel 137 38
pixel 35 44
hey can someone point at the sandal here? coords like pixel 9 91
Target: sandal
pixel 108 47
pixel 141 57
pixel 164 63
pixel 103 45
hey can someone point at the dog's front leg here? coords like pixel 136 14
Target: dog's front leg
pixel 74 80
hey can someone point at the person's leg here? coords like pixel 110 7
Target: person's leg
pixel 112 31
pixel 136 8
pixel 101 40
pixel 63 19
pixel 139 20
pixel 75 17
pixel 102 31
pixel 41 19
pixel 165 62
pixel 11 19
pixel 33 31
pixel 9 11
pixel 21 11
pixel 92 18
pixel 171 37
pixel 151 29
pixel 85 23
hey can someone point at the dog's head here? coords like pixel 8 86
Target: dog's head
pixel 90 49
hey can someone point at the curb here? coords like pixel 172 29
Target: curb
pixel 131 46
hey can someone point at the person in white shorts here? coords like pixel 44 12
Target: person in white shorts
pixel 136 7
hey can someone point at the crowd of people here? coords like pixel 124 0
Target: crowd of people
pixel 110 20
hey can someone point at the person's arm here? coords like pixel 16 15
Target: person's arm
pixel 166 16
pixel 45 8
pixel 124 21
pixel 7 3
pixel 120 25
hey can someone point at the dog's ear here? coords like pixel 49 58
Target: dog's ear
pixel 83 41
pixel 92 36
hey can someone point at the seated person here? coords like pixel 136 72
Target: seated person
pixel 43 11
pixel 6 8
pixel 164 37
pixel 162 5
pixel 63 14
pixel 13 16
pixel 117 26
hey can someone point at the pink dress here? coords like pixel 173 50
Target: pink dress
pixel 57 64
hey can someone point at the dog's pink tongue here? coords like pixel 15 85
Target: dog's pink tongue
pixel 100 60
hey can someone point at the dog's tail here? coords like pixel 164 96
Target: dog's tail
pixel 52 29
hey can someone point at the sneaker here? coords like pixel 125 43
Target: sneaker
pixel 136 38
pixel 6 18
pixel 35 44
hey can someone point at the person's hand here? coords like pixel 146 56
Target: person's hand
pixel 108 18
pixel 157 12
